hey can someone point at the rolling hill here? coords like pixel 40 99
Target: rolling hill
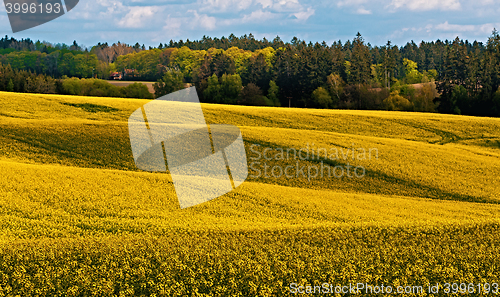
pixel 77 217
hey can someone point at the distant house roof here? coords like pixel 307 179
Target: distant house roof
pixel 116 75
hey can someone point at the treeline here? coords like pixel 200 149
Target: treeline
pixel 13 44
pixel 245 42
pixel 56 64
pixel 59 60
pixel 350 75
pixel 22 81
pixel 48 59
pixel 452 76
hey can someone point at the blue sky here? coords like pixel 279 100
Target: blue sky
pixel 150 22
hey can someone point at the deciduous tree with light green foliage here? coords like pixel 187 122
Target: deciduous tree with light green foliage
pixel 230 88
pixel 347 69
pixel 136 90
pixel 85 64
pixel 144 63
pixel 268 53
pixel 412 74
pixel 186 60
pixel 272 93
pixel 90 87
pixel 336 86
pixel 171 81
pixel 397 102
pixel 240 58
pixel 431 75
pixel 321 98
pixel 224 90
pixel 212 93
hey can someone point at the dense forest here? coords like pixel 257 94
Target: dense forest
pixel 445 76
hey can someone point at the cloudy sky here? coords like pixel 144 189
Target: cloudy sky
pixel 150 22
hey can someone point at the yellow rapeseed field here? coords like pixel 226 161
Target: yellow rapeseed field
pixel 78 219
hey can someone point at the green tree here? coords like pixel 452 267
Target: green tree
pixel 321 97
pixel 221 64
pixel 336 86
pixel 424 100
pixel 257 72
pixel 10 86
pixel 136 90
pixel 389 63
pixel 459 99
pixel 212 92
pixel 67 66
pixel 360 62
pixel 240 58
pixel 347 70
pixel 72 86
pixel 429 75
pixel 252 95
pixel 412 74
pixel 397 102
pixel 85 64
pixel 170 82
pixel 286 71
pixel 230 86
pixel 490 76
pixel 143 64
pixel 496 103
pixel 40 84
pixel 225 90
pixel 272 93
pixel 185 59
pixel 377 75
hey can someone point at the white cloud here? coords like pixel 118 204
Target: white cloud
pixel 225 5
pixel 287 3
pixel 87 10
pixel 112 7
pixel 137 16
pixel 447 30
pixel 265 3
pixel 244 4
pixel 455 28
pixel 178 27
pixel 357 5
pixel 422 5
pixel 362 10
pixel 304 15
pixel 173 27
pixel 351 3
pixel 258 16
pixel 282 5
pixel 203 21
pixel 488 2
pixel 255 11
